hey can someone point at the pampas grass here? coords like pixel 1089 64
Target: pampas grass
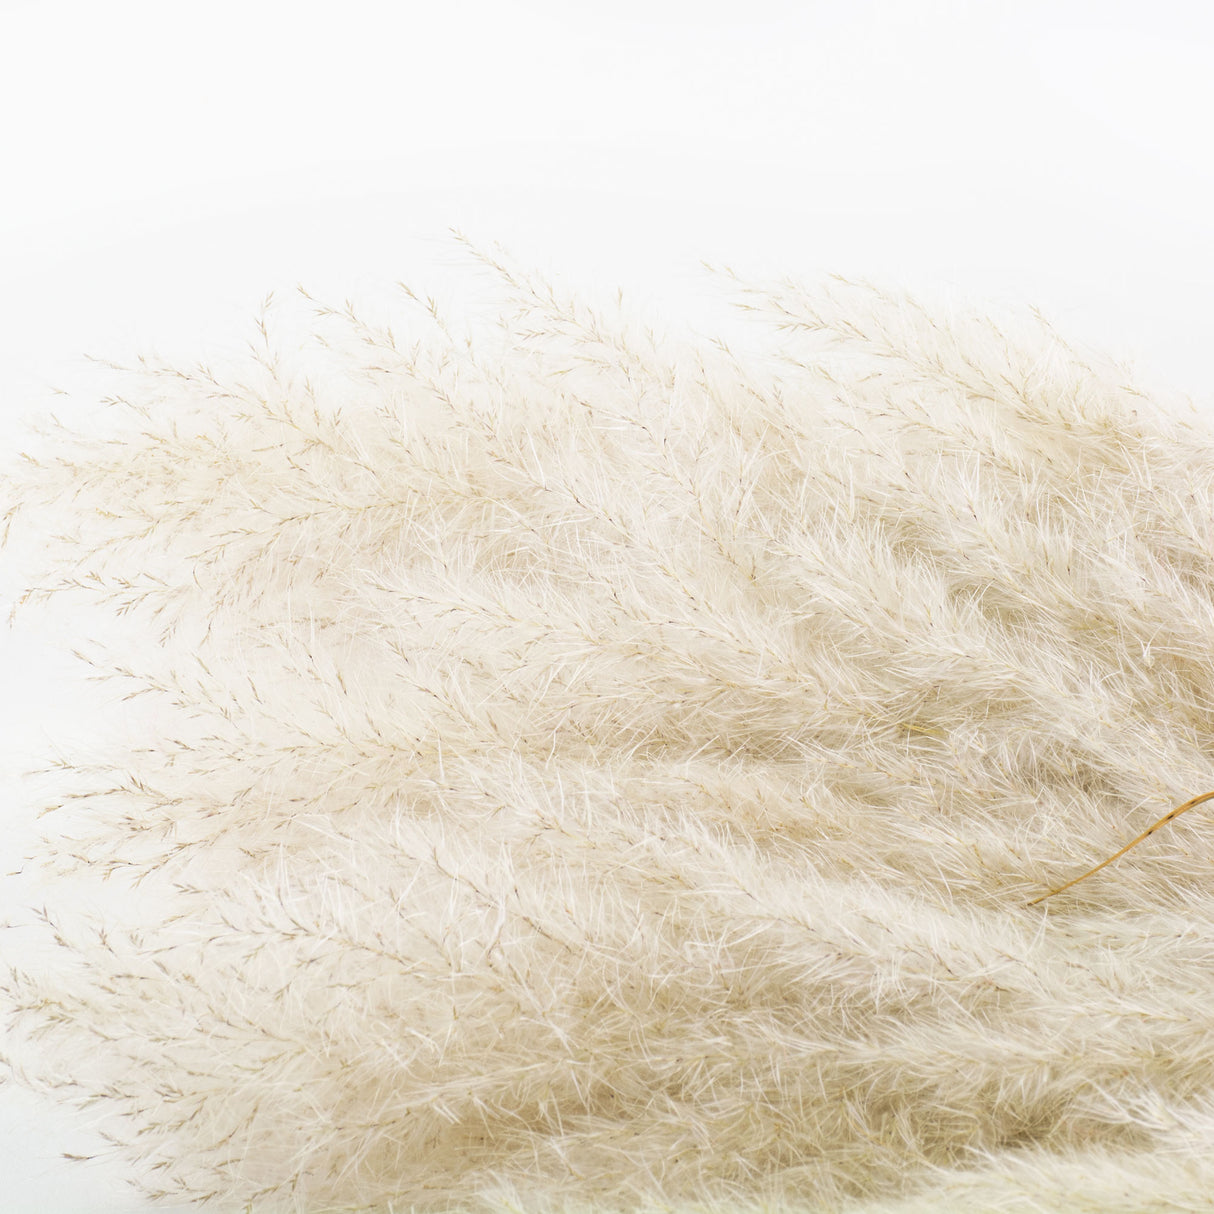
pixel 586 769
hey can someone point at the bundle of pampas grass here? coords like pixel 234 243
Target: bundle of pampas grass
pixel 583 769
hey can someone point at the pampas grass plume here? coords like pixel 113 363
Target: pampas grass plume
pixel 570 767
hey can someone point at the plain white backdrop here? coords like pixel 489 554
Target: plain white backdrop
pixel 164 166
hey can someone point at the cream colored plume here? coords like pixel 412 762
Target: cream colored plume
pixel 577 768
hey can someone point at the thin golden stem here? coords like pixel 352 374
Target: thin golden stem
pixel 1150 830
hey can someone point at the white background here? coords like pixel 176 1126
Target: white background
pixel 162 166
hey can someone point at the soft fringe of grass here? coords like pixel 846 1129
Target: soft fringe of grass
pixel 609 769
